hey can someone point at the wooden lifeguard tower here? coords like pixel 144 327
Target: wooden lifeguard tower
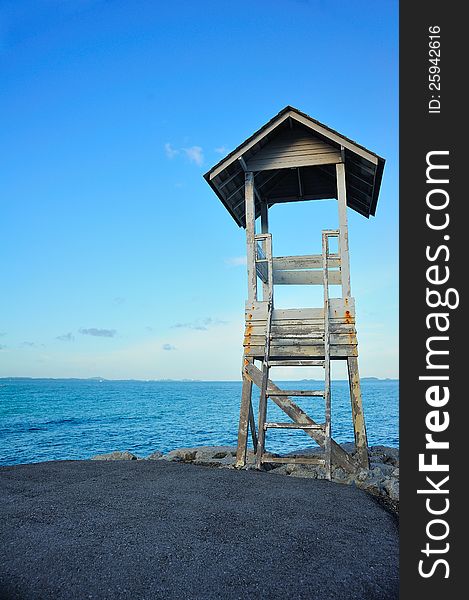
pixel 295 158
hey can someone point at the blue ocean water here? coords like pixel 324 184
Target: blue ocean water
pixel 53 419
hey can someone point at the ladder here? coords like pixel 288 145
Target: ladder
pixel 267 363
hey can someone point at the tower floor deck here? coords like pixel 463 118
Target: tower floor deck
pixel 299 332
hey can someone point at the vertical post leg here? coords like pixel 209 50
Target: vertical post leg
pixel 343 228
pixel 250 233
pixel 327 358
pixel 244 418
pixel 361 442
pixel 265 229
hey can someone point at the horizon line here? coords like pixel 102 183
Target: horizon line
pixel 169 379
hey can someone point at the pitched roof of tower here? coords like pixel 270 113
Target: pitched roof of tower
pixel 293 157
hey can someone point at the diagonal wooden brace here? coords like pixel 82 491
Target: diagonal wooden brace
pixel 339 456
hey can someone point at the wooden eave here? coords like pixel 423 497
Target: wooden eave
pixel 304 177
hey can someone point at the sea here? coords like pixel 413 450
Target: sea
pixel 69 419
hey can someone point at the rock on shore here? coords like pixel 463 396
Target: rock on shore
pixel 381 479
pixel 116 455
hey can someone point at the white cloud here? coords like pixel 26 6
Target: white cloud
pixel 236 261
pixel 170 151
pixel 222 150
pixel 195 154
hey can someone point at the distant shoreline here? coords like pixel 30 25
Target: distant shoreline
pixel 103 379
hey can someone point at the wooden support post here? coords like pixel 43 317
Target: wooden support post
pixel 246 415
pixel 250 233
pixel 361 442
pixel 343 238
pixel 244 419
pixel 265 229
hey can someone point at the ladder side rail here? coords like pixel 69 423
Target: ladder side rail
pixel 264 230
pixel 327 358
pixel 265 363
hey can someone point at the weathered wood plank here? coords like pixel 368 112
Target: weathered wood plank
pixel 361 441
pixel 317 351
pixel 290 154
pixel 289 146
pixel 305 277
pixel 295 141
pixel 343 238
pixel 335 137
pixel 314 324
pixel 342 307
pixel 301 322
pixel 311 261
pixel 346 339
pixel 310 160
pixel 257 327
pixel 244 418
pixel 291 426
pixel 297 363
pixel 256 305
pixel 339 307
pixel 311 393
pixel 250 233
pixel 339 456
pixel 300 330
pixel 292 151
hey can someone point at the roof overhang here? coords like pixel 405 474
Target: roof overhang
pixel 293 158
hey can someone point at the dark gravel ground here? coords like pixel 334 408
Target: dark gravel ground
pixel 157 530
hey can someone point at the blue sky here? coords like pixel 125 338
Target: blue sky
pixel 117 258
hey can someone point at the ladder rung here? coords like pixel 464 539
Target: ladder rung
pixel 297 393
pixel 297 363
pixel 294 460
pixel 293 426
